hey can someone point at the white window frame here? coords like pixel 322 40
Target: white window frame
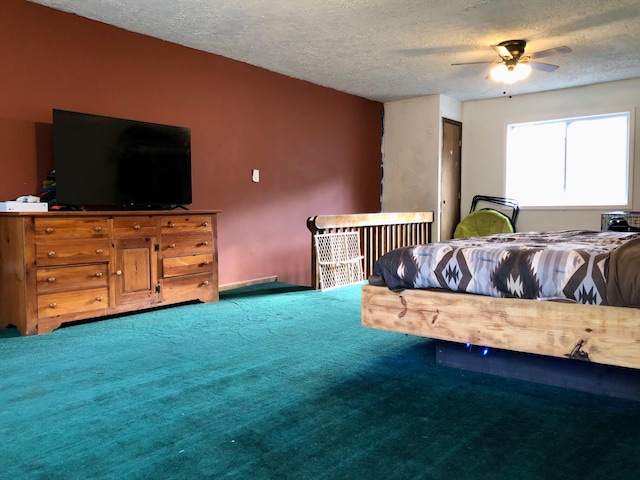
pixel 630 112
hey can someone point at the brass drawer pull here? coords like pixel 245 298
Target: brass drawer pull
pixel 51 279
pixel 99 274
pixel 206 262
pixel 99 298
pixel 205 224
pixel 170 225
pixel 205 283
pixel 119 272
pixel 52 305
pixel 99 251
pixel 173 245
pixel 204 244
pixel 97 229
pixel 49 230
pixel 137 227
pixel 51 254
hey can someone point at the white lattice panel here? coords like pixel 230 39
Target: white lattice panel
pixel 339 259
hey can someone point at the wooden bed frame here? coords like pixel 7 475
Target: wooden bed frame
pixel 599 334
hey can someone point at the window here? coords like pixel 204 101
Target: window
pixel 571 162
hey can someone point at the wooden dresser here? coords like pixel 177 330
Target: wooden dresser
pixel 58 267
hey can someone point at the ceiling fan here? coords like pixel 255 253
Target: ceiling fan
pixel 514 64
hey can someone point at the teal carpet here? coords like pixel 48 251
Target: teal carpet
pixel 280 382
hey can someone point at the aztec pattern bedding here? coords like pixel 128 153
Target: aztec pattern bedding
pixel 582 266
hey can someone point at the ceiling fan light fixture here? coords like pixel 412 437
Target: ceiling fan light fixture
pixel 510 73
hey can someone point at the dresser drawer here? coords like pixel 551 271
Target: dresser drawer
pixel 175 266
pixel 53 304
pixel 133 227
pixel 186 224
pixel 190 287
pixel 47 229
pixel 178 245
pixel 70 252
pixel 49 280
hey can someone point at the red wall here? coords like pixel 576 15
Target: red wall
pixel 318 150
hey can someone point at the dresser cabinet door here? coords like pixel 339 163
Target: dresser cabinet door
pixel 136 270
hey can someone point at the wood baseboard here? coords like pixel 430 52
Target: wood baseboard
pixel 247 283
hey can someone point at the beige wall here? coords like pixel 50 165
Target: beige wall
pixel 412 149
pixel 413 137
pixel 483 144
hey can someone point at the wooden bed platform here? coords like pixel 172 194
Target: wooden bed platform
pixel 600 334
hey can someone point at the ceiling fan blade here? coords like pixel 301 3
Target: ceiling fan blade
pixel 551 51
pixel 545 67
pixel 471 63
pixel 502 51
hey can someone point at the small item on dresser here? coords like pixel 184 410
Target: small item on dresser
pixel 28 199
pixel 21 206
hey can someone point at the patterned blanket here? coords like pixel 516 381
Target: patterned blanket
pixel 563 265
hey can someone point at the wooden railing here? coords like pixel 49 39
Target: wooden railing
pixel 379 234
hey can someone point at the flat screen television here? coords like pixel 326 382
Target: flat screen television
pixel 105 162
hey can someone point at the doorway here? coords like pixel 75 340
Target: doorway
pixel 450 180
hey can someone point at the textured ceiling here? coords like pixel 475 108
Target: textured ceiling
pixel 388 50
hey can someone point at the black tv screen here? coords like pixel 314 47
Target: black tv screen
pixel 106 162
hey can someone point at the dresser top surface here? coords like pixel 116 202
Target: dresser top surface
pixel 110 213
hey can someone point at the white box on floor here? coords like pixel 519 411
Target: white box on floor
pixel 24 207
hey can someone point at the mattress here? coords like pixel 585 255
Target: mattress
pixel 582 266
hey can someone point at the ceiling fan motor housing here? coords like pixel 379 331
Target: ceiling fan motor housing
pixel 514 47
